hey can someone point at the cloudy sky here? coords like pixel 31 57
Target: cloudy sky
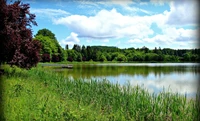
pixel 121 23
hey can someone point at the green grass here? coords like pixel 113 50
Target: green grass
pixel 39 94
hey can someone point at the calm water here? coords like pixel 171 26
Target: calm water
pixel 180 77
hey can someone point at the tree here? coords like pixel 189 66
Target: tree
pixel 155 50
pixel 79 57
pixel 17 46
pixel 77 48
pixel 102 58
pixel 45 57
pixel 49 43
pixel 72 55
pixel 108 56
pixel 46 32
pixel 66 47
pixel 84 52
pixel 55 58
pixel 89 53
pixel 121 57
pixel 187 56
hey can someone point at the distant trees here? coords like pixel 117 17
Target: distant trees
pixel 105 53
pixel 52 51
pixel 17 46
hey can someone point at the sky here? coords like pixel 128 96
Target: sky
pixel 120 23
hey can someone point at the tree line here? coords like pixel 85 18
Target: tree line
pixel 19 48
pixel 52 51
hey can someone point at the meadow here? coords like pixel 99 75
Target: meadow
pixel 40 94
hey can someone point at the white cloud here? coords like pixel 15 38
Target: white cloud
pixel 135 41
pixel 49 12
pixel 70 40
pixel 181 85
pixel 112 24
pixel 107 24
pixel 187 38
pixel 183 12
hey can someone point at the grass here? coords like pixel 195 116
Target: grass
pixel 39 94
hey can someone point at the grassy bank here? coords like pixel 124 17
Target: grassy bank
pixel 39 94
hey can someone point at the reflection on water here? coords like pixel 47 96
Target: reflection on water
pixel 180 77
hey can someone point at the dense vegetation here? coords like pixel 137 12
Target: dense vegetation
pixel 39 94
pixel 17 45
pixel 104 53
pixel 52 51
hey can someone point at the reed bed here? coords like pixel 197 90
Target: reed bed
pixel 40 94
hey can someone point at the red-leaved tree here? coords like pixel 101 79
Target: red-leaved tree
pixel 16 44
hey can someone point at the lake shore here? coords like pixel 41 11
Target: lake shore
pixel 39 94
pixel 180 77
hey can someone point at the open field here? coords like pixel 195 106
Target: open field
pixel 39 94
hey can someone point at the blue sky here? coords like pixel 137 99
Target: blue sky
pixel 124 24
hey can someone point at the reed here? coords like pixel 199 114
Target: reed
pixel 39 94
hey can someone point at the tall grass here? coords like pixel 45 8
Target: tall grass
pixel 39 94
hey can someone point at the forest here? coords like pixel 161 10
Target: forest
pixel 51 51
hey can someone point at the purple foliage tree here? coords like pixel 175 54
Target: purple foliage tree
pixel 46 57
pixel 17 46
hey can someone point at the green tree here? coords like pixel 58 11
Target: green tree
pixel 108 56
pixel 121 57
pixel 67 47
pixel 72 55
pixel 138 57
pixel 77 48
pixel 79 57
pixel 114 55
pixel 187 56
pixel 47 33
pixel 49 44
pixel 84 53
pixel 89 53
pixel 102 58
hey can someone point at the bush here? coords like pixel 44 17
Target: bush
pixel 55 58
pixel 46 58
pixel 70 59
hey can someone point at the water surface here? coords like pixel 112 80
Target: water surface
pixel 177 77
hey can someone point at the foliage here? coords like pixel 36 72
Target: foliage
pixel 102 58
pixel 72 55
pixel 50 45
pixel 47 33
pixel 55 58
pixel 47 45
pixel 45 57
pixel 17 46
pixel 47 97
pixel 144 54
pixel 110 53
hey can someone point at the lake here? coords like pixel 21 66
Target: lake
pixel 174 77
